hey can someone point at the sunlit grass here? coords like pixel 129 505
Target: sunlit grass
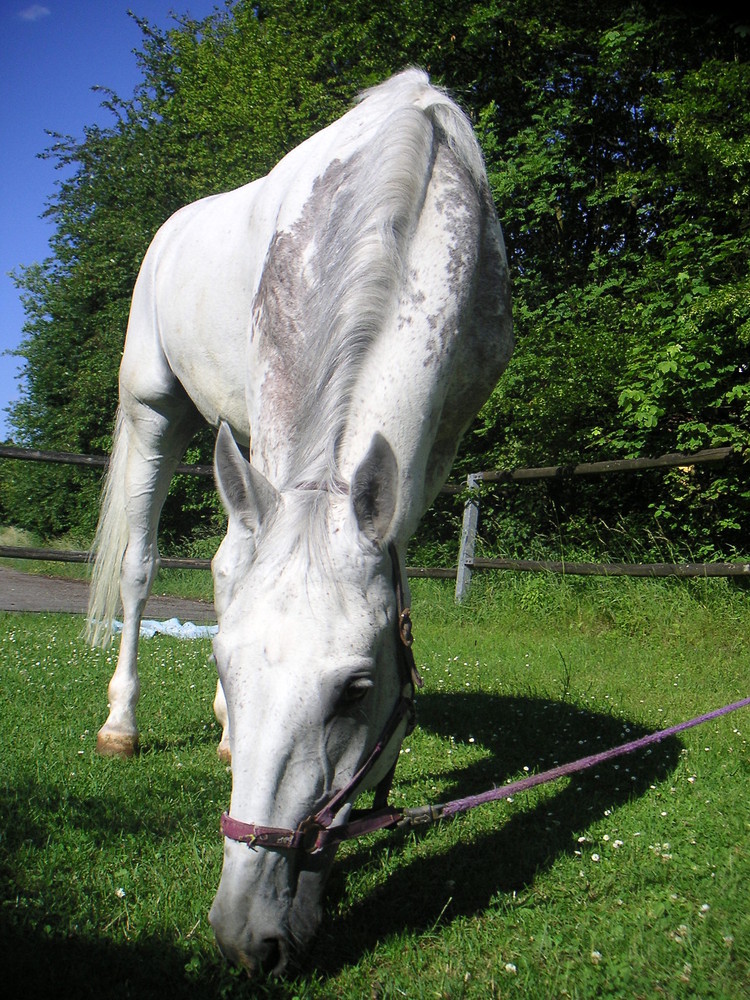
pixel 627 881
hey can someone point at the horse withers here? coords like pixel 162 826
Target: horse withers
pixel 341 320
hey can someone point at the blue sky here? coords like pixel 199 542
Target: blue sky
pixel 53 53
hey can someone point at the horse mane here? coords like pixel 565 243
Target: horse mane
pixel 413 87
pixel 361 233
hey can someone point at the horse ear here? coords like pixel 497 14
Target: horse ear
pixel 374 488
pixel 247 495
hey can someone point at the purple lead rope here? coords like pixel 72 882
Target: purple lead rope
pixel 428 814
pixel 313 836
pixel 320 831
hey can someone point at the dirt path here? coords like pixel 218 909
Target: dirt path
pixel 31 592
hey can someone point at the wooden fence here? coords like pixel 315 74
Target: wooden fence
pixel 467 562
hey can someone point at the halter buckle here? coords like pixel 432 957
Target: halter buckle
pixel 308 832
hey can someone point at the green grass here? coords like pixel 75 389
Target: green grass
pixel 629 881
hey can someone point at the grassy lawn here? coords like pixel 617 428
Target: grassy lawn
pixel 629 881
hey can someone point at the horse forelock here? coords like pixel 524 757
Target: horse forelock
pixel 306 548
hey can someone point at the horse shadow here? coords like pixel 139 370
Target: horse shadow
pixel 37 966
pixel 485 867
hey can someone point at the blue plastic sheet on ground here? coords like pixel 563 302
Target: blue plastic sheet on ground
pixel 173 627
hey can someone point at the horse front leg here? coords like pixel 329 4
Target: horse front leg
pixel 154 445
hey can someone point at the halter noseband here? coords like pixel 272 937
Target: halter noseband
pixel 315 833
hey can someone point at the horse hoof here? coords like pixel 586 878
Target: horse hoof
pixel 224 753
pixel 116 744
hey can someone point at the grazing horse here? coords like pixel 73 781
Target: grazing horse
pixel 341 320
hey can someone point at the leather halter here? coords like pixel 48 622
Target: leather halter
pixel 315 833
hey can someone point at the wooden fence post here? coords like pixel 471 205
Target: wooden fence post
pixel 468 537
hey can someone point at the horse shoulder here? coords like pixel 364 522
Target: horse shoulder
pixel 193 299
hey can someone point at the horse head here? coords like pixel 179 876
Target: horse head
pixel 307 656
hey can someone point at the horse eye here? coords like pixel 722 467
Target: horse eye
pixel 356 690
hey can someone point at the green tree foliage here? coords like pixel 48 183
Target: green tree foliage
pixel 219 104
pixel 616 142
pixel 623 195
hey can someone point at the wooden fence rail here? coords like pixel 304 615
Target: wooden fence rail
pixel 683 570
pixel 91 461
pixel 173 562
pixel 78 556
pixel 672 460
pixel 467 563
pixel 492 476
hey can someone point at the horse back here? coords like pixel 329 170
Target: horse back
pixel 360 287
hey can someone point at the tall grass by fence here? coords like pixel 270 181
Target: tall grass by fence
pixel 467 563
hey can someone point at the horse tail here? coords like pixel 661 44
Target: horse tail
pixel 109 544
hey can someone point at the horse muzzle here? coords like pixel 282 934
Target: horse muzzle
pixel 254 941
pixel 265 920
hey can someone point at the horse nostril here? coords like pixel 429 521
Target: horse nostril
pixel 272 955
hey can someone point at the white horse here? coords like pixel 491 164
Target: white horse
pixel 343 319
